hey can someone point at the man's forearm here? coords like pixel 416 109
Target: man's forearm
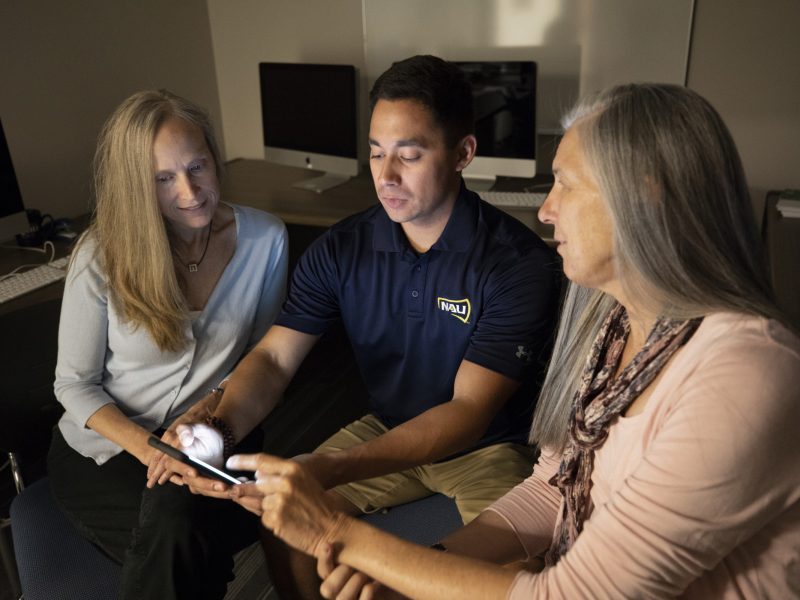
pixel 258 382
pixel 253 390
pixel 433 435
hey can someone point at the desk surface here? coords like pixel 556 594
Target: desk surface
pixel 10 259
pixel 268 186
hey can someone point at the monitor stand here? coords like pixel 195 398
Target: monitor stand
pixel 322 183
pixel 480 183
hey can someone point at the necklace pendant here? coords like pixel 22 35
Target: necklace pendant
pixel 192 267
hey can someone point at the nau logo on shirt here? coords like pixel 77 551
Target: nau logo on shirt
pixel 460 309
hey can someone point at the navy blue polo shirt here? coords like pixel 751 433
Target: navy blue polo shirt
pixel 486 292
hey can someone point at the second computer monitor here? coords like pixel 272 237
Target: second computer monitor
pixel 309 117
pixel 13 218
pixel 504 94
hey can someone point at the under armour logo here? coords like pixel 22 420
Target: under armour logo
pixel 524 354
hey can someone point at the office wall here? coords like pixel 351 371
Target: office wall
pixel 745 59
pixel 66 65
pixel 246 32
pixel 579 44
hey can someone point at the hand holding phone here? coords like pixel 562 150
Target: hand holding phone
pixel 202 467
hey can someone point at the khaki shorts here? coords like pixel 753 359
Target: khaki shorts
pixel 474 480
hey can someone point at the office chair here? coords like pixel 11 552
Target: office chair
pixel 423 522
pixel 6 547
pixel 53 559
pixel 28 409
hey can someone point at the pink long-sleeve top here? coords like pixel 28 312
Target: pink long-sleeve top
pixel 696 497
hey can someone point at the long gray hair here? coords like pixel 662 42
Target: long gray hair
pixel 685 240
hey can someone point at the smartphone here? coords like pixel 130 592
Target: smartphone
pixel 202 467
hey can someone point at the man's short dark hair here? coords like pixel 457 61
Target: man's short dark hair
pixel 438 85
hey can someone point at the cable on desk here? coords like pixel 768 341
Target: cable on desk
pixel 48 245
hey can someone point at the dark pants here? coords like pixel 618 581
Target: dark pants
pixel 170 542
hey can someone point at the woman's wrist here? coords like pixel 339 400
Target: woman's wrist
pixel 337 530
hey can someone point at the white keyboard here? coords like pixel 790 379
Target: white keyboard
pixel 21 283
pixel 514 199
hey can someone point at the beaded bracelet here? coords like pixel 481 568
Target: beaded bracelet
pixel 228 441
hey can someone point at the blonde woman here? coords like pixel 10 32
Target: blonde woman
pixel 670 462
pixel 167 289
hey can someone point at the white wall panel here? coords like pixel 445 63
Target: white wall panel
pixel 579 44
pixel 246 32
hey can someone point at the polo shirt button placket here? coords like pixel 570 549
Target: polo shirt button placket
pixel 416 285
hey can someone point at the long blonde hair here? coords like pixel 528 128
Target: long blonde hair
pixel 127 226
pixel 684 230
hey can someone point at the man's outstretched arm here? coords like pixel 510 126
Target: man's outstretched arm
pixel 478 393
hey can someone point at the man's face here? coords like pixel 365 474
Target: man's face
pixel 416 174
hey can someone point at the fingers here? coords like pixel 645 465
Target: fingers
pixel 206 486
pixel 155 470
pixel 170 437
pixel 250 503
pixel 247 495
pixel 344 583
pixel 370 591
pixel 185 435
pixel 162 468
pixel 167 473
pixel 273 475
pixel 259 462
pixel 325 564
pixel 294 505
pixel 246 489
pixel 169 469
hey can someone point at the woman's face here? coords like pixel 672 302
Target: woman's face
pixel 582 220
pixel 186 181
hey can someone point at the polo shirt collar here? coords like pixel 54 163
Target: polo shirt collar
pixel 462 226
pixel 458 234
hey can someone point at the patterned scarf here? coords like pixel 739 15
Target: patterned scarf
pixel 598 401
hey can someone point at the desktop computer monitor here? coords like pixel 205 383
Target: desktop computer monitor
pixel 13 218
pixel 504 95
pixel 309 117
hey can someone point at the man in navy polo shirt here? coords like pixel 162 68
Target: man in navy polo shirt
pixel 449 304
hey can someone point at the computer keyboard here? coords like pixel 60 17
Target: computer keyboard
pixel 27 281
pixel 514 199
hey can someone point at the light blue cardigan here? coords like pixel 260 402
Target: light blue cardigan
pixel 102 360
